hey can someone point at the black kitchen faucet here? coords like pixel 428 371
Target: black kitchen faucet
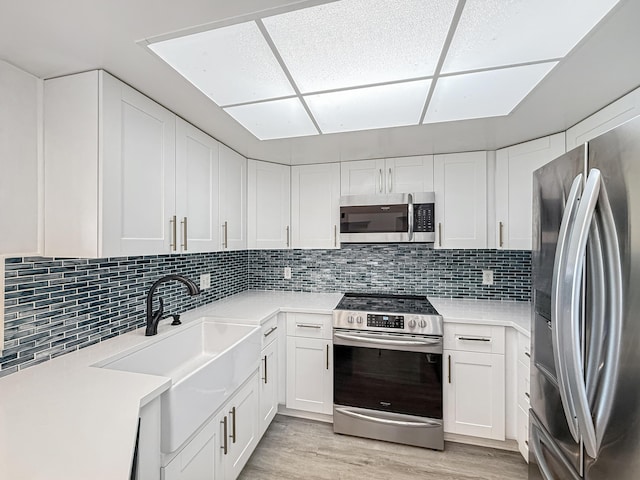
pixel 153 318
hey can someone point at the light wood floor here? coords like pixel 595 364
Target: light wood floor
pixel 294 449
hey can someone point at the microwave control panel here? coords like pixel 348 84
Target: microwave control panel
pixel 423 217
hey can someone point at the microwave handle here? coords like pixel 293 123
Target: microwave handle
pixel 410 215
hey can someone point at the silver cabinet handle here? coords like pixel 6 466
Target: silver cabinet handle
pixel 327 356
pixel 287 236
pixel 308 325
pixel 558 339
pixel 389 182
pixel 410 215
pixel 449 365
pixel 501 241
pixel 225 242
pixel 184 233
pixel 474 339
pixel 335 235
pixel 225 443
pixel 380 182
pixel 233 424
pixel 172 223
pixel 439 234
pixel 265 370
pixel 270 331
pixel 353 413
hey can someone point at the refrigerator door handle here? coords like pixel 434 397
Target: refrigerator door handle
pixel 613 315
pixel 571 289
pixel 558 337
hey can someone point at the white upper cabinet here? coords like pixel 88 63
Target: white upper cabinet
pixel 109 169
pixel 196 189
pixel 315 212
pixel 514 188
pixel 20 161
pixel 391 175
pixel 233 199
pixel 609 117
pixel 269 205
pixel 460 185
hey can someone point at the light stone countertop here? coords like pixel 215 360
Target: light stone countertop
pixel 66 419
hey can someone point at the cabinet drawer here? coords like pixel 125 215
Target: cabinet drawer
pixel 524 349
pixel 269 330
pixel 310 325
pixel 523 433
pixel 523 386
pixel 474 338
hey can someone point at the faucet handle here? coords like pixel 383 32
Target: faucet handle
pixel 176 319
pixel 158 313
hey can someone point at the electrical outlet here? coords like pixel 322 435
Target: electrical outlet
pixel 287 273
pixel 487 277
pixel 205 281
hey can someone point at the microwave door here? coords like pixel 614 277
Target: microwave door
pixel 374 223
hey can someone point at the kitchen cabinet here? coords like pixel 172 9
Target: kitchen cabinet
pixel 611 116
pixel 524 360
pixel 196 189
pixel 474 381
pixel 460 185
pixel 20 161
pixel 269 205
pixel 233 199
pixel 514 188
pixel 269 373
pixel 315 208
pixel 198 460
pixel 309 363
pixel 109 170
pixel 391 175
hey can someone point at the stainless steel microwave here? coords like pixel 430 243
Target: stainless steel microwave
pixel 393 218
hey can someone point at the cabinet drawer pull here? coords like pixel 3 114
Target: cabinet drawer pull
pixel 288 236
pixel 449 364
pixel 265 370
pixel 380 182
pixel 174 234
pixel 308 325
pixel 527 354
pixel 474 339
pixel 527 395
pixel 225 243
pixel 270 331
pixel 233 424
pixel 335 235
pixel 327 357
pixel 439 234
pixel 389 182
pixel 225 443
pixel 184 233
pixel 500 235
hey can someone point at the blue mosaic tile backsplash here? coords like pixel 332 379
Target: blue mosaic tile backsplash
pixel 395 268
pixel 55 306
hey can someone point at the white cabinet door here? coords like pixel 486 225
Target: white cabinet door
pixel 138 169
pixel 309 374
pixel 20 161
pixel 611 116
pixel 268 385
pixel 233 199
pixel 362 177
pixel 315 209
pixel 409 174
pixel 474 394
pixel 196 189
pixel 243 429
pixel 269 205
pixel 198 459
pixel 460 185
pixel 514 188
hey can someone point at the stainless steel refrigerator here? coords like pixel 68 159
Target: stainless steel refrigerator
pixel 585 355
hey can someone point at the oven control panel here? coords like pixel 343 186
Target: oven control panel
pixel 385 321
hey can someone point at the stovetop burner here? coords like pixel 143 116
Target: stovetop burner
pixel 371 302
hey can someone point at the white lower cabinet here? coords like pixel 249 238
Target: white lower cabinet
pixel 269 377
pixel 223 447
pixel 474 381
pixel 524 357
pixel 309 363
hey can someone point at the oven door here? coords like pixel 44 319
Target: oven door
pixel 388 372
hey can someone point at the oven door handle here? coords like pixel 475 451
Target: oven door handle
pixel 387 421
pixel 388 341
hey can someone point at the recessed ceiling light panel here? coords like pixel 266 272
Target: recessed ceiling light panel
pixel 274 119
pixel 383 106
pixel 483 94
pixel 353 43
pixel 230 65
pixel 494 33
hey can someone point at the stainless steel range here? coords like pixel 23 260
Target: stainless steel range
pixel 388 369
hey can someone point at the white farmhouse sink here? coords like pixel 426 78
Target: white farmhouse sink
pixel 206 361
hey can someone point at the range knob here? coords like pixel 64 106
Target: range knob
pixel 359 319
pixel 423 323
pixel 350 319
pixel 412 323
